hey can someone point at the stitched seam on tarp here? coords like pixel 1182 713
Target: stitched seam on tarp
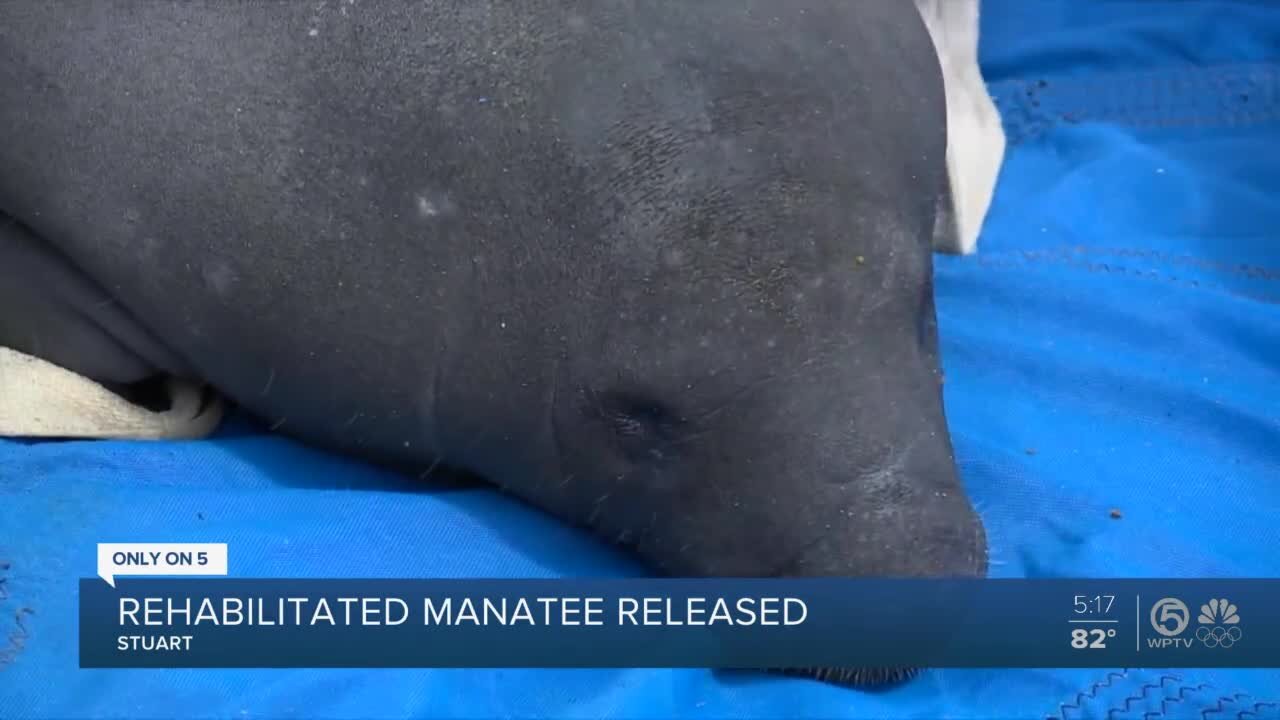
pixel 1257 707
pixel 1220 95
pixel 1180 697
pixel 1126 705
pixel 1185 694
pixel 1088 693
pixel 1264 277
pixel 1239 698
pixel 1240 270
pixel 1059 258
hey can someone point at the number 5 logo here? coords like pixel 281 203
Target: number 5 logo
pixel 1170 610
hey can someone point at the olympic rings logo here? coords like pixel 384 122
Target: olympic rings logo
pixel 1218 636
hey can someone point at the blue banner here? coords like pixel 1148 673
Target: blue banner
pixel 731 623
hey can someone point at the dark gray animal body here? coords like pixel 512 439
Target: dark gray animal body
pixel 661 269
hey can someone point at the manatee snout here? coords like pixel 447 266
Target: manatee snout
pixel 841 472
pixel 908 521
pixel 789 478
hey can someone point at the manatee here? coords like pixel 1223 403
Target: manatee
pixel 661 270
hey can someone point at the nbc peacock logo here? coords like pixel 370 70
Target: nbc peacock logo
pixel 1219 624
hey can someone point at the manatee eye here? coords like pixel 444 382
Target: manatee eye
pixel 642 426
pixel 628 425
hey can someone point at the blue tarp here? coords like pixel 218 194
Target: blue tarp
pixel 1114 346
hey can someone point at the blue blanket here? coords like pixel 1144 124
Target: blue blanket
pixel 1112 359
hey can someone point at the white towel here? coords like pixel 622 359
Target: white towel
pixel 41 400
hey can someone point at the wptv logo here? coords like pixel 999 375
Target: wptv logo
pixel 1218 624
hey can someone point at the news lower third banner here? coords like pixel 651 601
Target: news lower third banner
pixel 204 622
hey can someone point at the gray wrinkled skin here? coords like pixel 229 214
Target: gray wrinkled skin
pixel 660 269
